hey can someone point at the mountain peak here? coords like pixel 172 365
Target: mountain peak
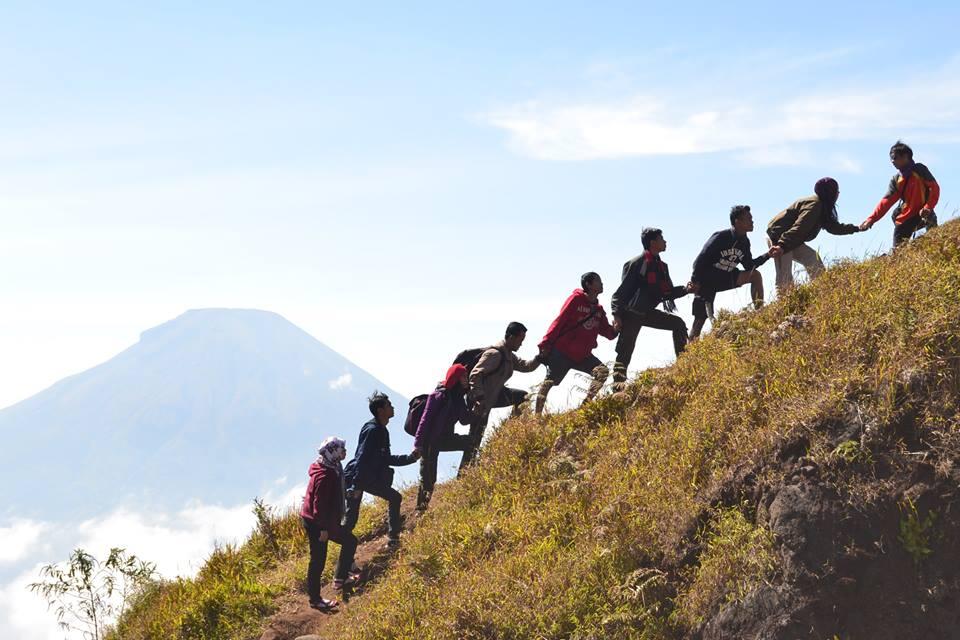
pixel 212 394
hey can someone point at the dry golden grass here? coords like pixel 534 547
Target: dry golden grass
pixel 571 525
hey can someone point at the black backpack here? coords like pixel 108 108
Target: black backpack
pixel 414 413
pixel 470 357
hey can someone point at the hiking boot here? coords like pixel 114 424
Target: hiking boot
pixel 393 542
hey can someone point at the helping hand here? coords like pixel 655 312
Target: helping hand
pixel 776 251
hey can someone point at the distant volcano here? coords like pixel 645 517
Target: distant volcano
pixel 213 405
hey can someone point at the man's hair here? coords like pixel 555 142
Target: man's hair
pixel 515 329
pixel 648 235
pixel 738 210
pixel 377 401
pixel 587 278
pixel 901 148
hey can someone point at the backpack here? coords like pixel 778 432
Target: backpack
pixel 470 357
pixel 414 413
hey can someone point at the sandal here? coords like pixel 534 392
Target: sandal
pixel 348 583
pixel 324 605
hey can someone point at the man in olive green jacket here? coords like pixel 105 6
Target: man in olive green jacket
pixel 487 381
pixel 798 224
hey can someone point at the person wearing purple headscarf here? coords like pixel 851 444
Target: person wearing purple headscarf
pixel 791 229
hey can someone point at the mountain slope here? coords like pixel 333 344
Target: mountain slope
pixel 793 475
pixel 215 404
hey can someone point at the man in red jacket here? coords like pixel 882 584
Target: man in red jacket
pixel 572 337
pixel 917 191
pixel 322 510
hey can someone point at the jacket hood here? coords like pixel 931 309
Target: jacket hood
pixel 319 470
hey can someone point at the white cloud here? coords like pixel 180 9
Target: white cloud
pixel 18 539
pixel 343 382
pixel 24 614
pixel 643 125
pixel 177 542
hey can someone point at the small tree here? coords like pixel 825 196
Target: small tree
pixel 88 594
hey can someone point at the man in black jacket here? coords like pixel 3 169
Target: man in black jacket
pixel 646 283
pixel 370 471
pixel 715 268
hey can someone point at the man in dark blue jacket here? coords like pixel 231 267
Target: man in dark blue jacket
pixel 370 471
pixel 715 268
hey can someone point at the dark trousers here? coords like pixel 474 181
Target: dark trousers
pixel 632 323
pixel 902 232
pixel 478 423
pixel 393 498
pixel 318 555
pixel 428 464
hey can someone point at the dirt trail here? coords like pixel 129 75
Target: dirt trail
pixel 295 618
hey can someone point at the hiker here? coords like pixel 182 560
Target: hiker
pixel 486 384
pixel 444 408
pixel 572 337
pixel 800 223
pixel 917 191
pixel 646 283
pixel 715 268
pixel 321 512
pixel 370 471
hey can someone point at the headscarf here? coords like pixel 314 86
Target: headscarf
pixel 331 452
pixel 451 382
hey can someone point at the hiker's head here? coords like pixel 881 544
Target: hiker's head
pixel 652 240
pixel 456 377
pixel 380 407
pixel 516 332
pixel 828 190
pixel 741 219
pixel 333 450
pixel 901 155
pixel 591 283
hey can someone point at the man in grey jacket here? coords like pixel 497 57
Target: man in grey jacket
pixel 487 383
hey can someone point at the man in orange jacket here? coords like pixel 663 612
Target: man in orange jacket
pixel 917 191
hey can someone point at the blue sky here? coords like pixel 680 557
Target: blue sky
pixel 403 180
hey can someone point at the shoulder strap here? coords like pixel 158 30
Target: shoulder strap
pixel 503 356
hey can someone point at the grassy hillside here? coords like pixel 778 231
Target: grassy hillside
pixel 237 586
pixel 665 511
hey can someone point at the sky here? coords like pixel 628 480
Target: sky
pixel 401 181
